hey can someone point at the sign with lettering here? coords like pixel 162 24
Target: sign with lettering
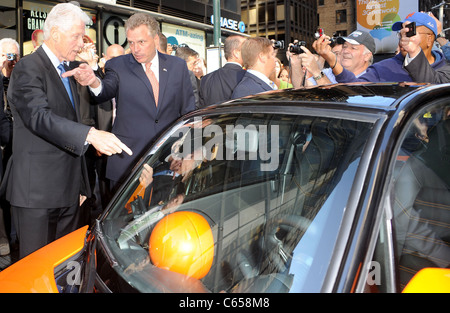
pixel 114 31
pixel 377 17
pixel 192 37
pixel 231 24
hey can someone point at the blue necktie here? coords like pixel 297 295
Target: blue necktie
pixel 66 82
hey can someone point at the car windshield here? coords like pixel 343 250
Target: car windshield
pixel 236 203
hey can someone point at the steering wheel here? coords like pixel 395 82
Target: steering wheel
pixel 281 231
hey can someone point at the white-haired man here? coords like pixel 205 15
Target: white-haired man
pixel 356 56
pixel 48 172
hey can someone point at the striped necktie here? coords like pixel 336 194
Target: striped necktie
pixel 152 78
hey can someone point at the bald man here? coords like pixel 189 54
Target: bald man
pixel 112 51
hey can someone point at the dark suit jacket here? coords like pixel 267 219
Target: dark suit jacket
pixel 249 85
pixel 47 169
pixel 138 121
pixel 92 113
pixel 194 84
pixel 218 86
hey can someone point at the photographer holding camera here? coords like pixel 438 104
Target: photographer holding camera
pixel 306 67
pixel 9 55
pixel 417 34
pixel 422 69
pixel 356 56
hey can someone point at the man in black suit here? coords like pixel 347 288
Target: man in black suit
pixel 47 173
pixel 218 86
pixel 259 58
pixel 151 89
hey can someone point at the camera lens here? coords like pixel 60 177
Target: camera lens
pixel 11 56
pixel 296 48
pixel 278 44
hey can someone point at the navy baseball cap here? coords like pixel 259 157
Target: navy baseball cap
pixel 421 19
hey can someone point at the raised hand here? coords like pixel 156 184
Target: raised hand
pixel 84 75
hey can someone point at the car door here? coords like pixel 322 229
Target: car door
pixel 414 231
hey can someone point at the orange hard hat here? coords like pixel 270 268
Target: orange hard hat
pixel 183 242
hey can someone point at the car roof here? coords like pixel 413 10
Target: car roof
pixel 354 96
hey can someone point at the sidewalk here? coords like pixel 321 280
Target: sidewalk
pixel 9 259
pixel 13 257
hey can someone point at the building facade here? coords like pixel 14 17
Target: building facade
pixel 280 19
pixel 336 17
pixel 190 21
pixel 440 9
pixel 183 22
pixel 339 16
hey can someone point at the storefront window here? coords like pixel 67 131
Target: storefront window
pixel 8 19
pixel 230 5
pixel 34 15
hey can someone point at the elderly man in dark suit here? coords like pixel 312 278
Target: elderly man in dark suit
pixel 259 58
pixel 151 89
pixel 218 86
pixel 47 173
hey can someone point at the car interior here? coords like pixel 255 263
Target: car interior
pixel 257 218
pixel 422 195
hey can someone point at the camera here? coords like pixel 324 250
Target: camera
pixel 296 48
pixel 319 32
pixel 411 29
pixel 278 44
pixel 11 56
pixel 333 41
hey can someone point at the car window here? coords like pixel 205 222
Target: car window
pixel 237 203
pixel 421 196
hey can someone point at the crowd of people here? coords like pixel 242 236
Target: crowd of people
pixel 73 119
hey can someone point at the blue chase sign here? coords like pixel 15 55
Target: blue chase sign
pixel 229 23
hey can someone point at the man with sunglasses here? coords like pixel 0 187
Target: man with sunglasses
pixel 419 54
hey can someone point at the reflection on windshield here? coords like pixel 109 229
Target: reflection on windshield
pixel 224 202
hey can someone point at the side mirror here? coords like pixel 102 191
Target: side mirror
pixel 429 280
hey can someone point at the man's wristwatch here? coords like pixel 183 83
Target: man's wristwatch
pixel 316 78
